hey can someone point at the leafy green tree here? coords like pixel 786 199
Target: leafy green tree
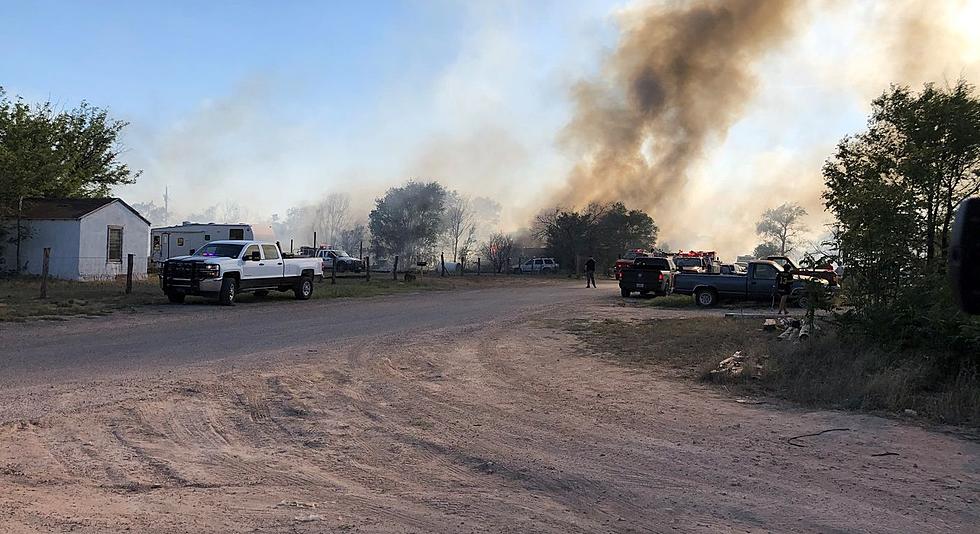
pixel 780 226
pixel 49 153
pixel 407 220
pixel 46 153
pixel 766 249
pixel 601 230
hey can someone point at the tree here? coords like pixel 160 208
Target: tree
pixel 330 217
pixel 407 220
pixel 601 230
pixel 460 226
pixel 352 238
pixel 49 153
pixel 893 188
pixel 498 250
pixel 157 215
pixel 766 249
pixel 781 225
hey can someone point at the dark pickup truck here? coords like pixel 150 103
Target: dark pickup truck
pixel 757 283
pixel 647 275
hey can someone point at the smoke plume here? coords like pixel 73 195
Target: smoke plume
pixel 679 79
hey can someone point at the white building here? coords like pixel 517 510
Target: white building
pixel 89 238
pixel 169 241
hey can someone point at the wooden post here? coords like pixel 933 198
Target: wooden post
pixel 510 268
pixel 129 273
pixel 333 271
pixel 367 267
pixel 360 253
pixel 442 259
pixel 394 270
pixel 290 246
pixel 478 266
pixel 314 242
pixel 44 272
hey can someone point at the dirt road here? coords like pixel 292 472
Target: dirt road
pixel 435 419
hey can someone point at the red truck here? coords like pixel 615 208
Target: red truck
pixel 627 259
pixel 697 261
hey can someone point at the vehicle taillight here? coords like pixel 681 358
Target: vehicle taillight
pixel 661 277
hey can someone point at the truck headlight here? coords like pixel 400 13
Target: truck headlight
pixel 210 270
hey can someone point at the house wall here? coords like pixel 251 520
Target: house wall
pixel 58 234
pixel 93 243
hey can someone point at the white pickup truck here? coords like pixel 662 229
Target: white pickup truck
pixel 224 269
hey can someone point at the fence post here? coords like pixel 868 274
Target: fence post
pixel 44 272
pixel 367 266
pixel 478 266
pixel 442 259
pixel 129 273
pixel 314 242
pixel 290 246
pixel 333 271
pixel 510 268
pixel 394 270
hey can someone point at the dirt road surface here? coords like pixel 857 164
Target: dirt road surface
pixel 435 412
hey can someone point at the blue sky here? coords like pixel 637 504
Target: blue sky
pixel 273 104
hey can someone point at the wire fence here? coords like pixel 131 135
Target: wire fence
pixel 95 268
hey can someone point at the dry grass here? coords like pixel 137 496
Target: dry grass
pixel 822 372
pixel 20 298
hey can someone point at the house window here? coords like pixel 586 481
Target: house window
pixel 114 244
pixel 156 242
pixel 236 234
pixel 180 241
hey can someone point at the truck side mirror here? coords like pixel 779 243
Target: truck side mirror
pixel 255 256
pixel 964 256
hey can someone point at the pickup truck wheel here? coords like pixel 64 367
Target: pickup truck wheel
pixel 803 302
pixel 176 298
pixel 705 298
pixel 341 267
pixel 304 289
pixel 229 290
pixel 624 292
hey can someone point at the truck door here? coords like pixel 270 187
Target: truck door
pixel 762 281
pixel 273 267
pixel 251 269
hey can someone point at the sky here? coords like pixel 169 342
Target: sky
pixel 276 104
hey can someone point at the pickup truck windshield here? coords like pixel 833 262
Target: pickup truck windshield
pixel 220 250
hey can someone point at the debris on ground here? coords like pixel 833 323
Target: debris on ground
pixel 736 366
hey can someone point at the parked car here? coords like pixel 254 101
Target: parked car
pixel 223 269
pixel 648 275
pixel 537 265
pixel 758 283
pixel 345 262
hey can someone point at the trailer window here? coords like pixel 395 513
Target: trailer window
pixel 114 242
pixel 236 234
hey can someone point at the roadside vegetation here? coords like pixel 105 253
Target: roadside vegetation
pixel 823 372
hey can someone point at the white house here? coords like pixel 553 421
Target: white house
pixel 89 238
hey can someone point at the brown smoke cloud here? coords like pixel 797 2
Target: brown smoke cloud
pixel 679 79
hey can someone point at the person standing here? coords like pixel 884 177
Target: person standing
pixel 784 286
pixel 590 272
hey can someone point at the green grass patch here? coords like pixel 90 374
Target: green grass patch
pixel 20 298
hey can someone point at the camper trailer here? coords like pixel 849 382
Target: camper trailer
pixel 182 240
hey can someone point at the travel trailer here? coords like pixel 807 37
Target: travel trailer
pixel 182 240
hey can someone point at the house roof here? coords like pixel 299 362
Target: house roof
pixel 68 208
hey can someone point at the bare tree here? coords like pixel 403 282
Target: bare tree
pixel 330 217
pixel 460 226
pixel 497 250
pixel 781 225
pixel 352 238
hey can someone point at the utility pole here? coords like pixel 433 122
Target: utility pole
pixel 166 205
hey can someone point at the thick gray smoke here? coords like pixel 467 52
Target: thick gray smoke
pixel 679 79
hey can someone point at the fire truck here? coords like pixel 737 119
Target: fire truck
pixel 697 261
